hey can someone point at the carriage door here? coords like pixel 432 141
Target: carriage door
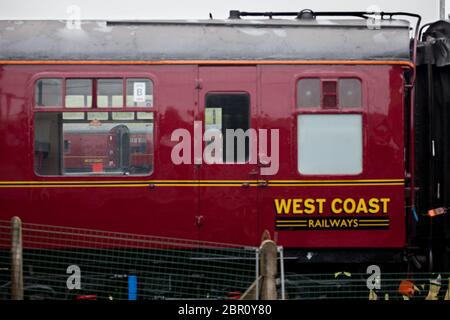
pixel 227 192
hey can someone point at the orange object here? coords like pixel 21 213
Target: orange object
pixel 436 212
pixel 406 288
pixel 95 123
pixel 97 167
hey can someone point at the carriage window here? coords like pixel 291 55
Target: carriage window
pixel 109 93
pixel 93 143
pixel 308 93
pixel 48 93
pixel 230 111
pixel 329 144
pixel 350 93
pixel 329 93
pixel 78 93
pixel 139 93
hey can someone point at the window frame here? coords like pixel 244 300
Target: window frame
pixel 123 79
pixel 125 93
pixel 93 94
pixel 298 110
pixel 63 109
pixel 203 114
pixel 341 145
pixel 34 84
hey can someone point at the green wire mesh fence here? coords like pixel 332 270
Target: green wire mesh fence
pixel 72 263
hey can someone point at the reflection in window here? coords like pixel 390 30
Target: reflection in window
pixel 329 144
pixel 109 93
pixel 78 93
pixel 230 111
pixel 350 93
pixel 139 93
pixel 308 93
pixel 48 93
pixel 47 153
pixel 92 147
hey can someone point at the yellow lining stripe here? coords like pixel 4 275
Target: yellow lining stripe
pixel 293 225
pixel 361 180
pixel 335 184
pixel 360 224
pixel 177 185
pixel 304 220
pixel 195 183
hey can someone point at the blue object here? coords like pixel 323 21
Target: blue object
pixel 415 214
pixel 132 287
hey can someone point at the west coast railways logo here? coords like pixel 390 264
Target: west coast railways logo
pixel 331 214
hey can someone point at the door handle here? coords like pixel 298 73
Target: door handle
pixel 198 220
pixel 254 172
pixel 245 184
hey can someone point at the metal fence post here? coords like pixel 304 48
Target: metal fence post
pixel 16 259
pixel 282 279
pixel 257 275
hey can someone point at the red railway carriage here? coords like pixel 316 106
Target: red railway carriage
pixel 87 117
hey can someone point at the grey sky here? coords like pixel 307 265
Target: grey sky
pixel 196 9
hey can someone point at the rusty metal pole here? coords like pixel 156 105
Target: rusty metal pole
pixel 16 259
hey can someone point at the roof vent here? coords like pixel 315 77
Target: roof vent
pixel 234 14
pixel 306 14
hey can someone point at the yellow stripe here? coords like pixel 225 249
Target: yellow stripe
pixel 98 181
pixel 292 225
pixel 195 183
pixel 291 221
pixel 75 186
pixel 360 180
pixel 363 225
pixel 116 185
pixel 168 185
pixel 304 220
pixel 335 184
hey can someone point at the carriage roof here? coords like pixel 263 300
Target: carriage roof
pixel 231 39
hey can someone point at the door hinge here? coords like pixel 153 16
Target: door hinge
pixel 198 84
pixel 263 183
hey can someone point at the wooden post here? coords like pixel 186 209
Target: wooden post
pixel 268 254
pixel 16 259
pixel 268 265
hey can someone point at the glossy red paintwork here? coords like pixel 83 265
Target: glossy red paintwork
pixel 236 214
